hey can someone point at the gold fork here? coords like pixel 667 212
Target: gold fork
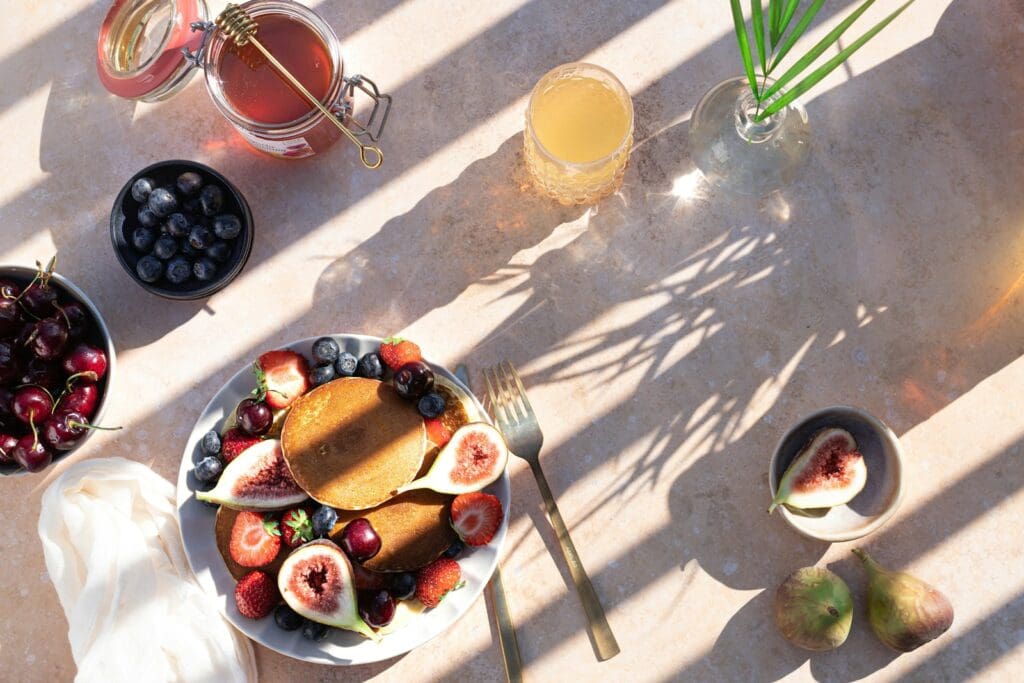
pixel 518 423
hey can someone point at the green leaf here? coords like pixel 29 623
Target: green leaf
pixel 798 30
pixel 816 51
pixel 758 21
pixel 741 37
pixel 826 68
pixel 787 16
pixel 774 16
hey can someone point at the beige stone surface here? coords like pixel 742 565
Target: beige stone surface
pixel 668 335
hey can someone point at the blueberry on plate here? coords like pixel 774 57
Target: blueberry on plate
pixel 208 469
pixel 403 585
pixel 369 366
pixel 431 405
pixel 314 631
pixel 192 206
pixel 322 374
pixel 179 270
pixel 211 199
pixel 185 248
pixel 162 202
pixel 287 619
pixel 219 251
pixel 227 226
pixel 147 218
pixel 324 520
pixel 210 442
pixel 200 237
pixel 141 189
pixel 177 225
pixel 143 239
pixel 326 350
pixel 204 269
pixel 189 183
pixel 454 550
pixel 149 268
pixel 165 247
pixel 346 364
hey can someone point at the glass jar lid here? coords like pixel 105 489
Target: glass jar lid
pixel 140 52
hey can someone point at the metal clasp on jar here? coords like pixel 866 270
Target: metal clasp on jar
pixel 373 128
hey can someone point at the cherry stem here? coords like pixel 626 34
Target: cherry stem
pixel 35 432
pixel 75 424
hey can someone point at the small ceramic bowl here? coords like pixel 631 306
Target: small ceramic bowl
pixel 97 335
pixel 881 496
pixel 123 223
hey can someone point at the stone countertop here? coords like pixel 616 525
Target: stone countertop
pixel 667 336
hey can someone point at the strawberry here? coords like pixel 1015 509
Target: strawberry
pixel 234 442
pixel 436 580
pixel 437 431
pixel 476 517
pixel 396 352
pixel 296 528
pixel 256 595
pixel 255 539
pixel 282 376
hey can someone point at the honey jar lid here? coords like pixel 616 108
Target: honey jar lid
pixel 140 53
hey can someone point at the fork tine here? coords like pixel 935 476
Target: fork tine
pixel 511 371
pixel 509 395
pixel 497 411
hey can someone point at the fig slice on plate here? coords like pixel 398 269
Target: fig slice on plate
pixel 829 471
pixel 316 581
pixel 475 457
pixel 258 479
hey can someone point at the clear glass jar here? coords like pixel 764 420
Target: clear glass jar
pixel 740 154
pixel 149 49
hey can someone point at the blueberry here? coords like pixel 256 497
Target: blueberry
pixel 192 205
pixel 177 225
pixel 204 269
pixel 346 364
pixel 189 183
pixel 185 248
pixel 326 350
pixel 143 239
pixel 454 550
pixel 162 202
pixel 322 374
pixel 219 251
pixel 141 189
pixel 314 631
pixel 403 586
pixel 227 226
pixel 147 218
pixel 165 247
pixel 149 268
pixel 208 469
pixel 200 237
pixel 324 520
pixel 369 366
pixel 287 619
pixel 210 442
pixel 431 405
pixel 211 199
pixel 179 270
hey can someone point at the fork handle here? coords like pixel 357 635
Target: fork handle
pixel 506 631
pixel 600 630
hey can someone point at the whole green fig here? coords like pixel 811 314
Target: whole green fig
pixel 904 611
pixel 813 609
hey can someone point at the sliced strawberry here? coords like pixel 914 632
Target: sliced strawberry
pixel 476 517
pixel 283 376
pixel 234 442
pixel 396 352
pixel 255 539
pixel 437 431
pixel 296 527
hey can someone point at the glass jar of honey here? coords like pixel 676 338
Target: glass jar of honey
pixel 149 49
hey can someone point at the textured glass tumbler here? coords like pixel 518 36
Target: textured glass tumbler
pixel 742 155
pixel 579 133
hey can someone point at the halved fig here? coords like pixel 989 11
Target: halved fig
pixel 829 471
pixel 475 457
pixel 316 581
pixel 258 479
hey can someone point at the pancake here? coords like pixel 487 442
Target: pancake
pixel 225 521
pixel 352 442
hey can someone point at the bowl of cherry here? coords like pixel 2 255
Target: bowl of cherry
pixel 56 363
pixel 181 230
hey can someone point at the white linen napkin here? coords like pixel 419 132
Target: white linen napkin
pixel 135 612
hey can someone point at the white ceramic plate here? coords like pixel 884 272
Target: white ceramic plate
pixel 340 647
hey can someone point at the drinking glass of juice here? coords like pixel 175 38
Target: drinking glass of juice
pixel 579 132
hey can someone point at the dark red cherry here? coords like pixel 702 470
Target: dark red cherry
pixel 7 417
pixel 10 317
pixel 414 380
pixel 9 289
pixel 254 417
pixel 86 361
pixel 7 446
pixel 39 299
pixel 49 339
pixel 31 405
pixel 359 540
pixel 47 375
pixel 74 316
pixel 31 454
pixel 82 400
pixel 377 608
pixel 63 431
pixel 10 368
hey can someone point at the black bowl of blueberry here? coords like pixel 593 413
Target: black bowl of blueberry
pixel 181 229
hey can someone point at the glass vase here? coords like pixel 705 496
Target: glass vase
pixel 740 154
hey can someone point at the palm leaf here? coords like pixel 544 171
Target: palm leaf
pixel 798 30
pixel 774 15
pixel 825 69
pixel 816 51
pixel 758 20
pixel 741 36
pixel 787 15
